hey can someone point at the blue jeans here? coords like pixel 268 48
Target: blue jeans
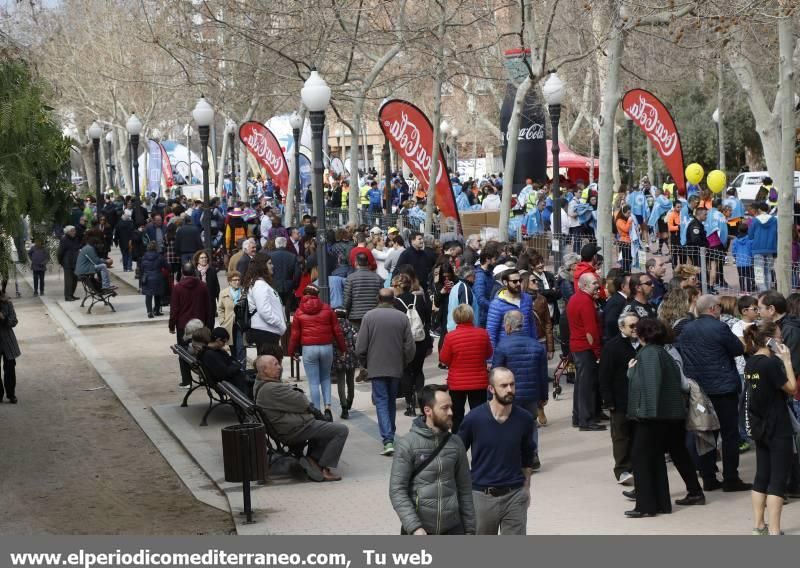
pixel 239 348
pixel 767 263
pixel 317 361
pixel 384 393
pixel 127 263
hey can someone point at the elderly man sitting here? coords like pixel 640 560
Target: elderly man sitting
pixel 290 413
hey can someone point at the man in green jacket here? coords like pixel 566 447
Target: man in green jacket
pixel 438 500
pixel 295 421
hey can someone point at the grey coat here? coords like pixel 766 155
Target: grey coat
pixel 9 348
pixel 361 292
pixel 441 495
pixel 286 408
pixel 385 342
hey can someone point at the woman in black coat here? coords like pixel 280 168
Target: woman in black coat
pixel 208 274
pixel 9 349
pixel 153 284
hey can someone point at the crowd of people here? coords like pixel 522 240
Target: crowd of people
pixel 672 371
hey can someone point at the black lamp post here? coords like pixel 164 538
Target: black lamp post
pixel 111 168
pixel 554 94
pixel 203 115
pixel 134 127
pixel 316 95
pixel 231 142
pixel 95 132
pixel 296 122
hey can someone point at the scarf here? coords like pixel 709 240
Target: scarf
pixel 203 270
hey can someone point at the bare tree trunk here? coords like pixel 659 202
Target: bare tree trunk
pixel 785 106
pixel 123 157
pixel 87 157
pixel 221 163
pixel 651 173
pixel 355 190
pixel 437 117
pixel 611 98
pixel 511 155
pixel 721 114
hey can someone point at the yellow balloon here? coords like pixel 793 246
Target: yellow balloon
pixel 694 173
pixel 716 181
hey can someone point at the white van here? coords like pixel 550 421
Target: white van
pixel 747 184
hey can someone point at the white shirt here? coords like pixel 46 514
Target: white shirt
pixel 269 314
pixel 491 202
pixel 266 225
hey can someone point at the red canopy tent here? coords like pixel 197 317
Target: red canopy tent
pixel 577 166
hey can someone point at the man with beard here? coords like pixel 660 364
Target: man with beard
pixel 500 435
pixel 430 486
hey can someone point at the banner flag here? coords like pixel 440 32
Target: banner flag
pixel 655 120
pixel 411 134
pixel 166 168
pixel 153 167
pixel 267 150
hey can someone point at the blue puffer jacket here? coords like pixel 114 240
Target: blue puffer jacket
pixel 708 348
pixel 498 308
pixel 526 358
pixel 483 294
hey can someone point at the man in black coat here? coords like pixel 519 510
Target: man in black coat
pixel 614 306
pixel 614 359
pixel 418 258
pixel 696 235
pixel 68 257
pixel 285 271
pixel 188 240
pixel 221 366
pixel 122 238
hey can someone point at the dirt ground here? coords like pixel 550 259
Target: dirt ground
pixel 73 461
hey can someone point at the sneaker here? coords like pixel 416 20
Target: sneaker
pixel 760 532
pixel 328 415
pixel 184 386
pixel 536 465
pixel 625 478
pixel 388 449
pixel 744 447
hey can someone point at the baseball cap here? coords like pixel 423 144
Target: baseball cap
pixel 375 231
pixel 588 251
pixel 392 230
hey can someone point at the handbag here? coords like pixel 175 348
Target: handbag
pixel 714 240
pixel 242 314
pixel 425 463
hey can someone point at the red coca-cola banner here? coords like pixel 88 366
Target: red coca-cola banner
pixel 654 119
pixel 411 134
pixel 267 150
pixel 166 167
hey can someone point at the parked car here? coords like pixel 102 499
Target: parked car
pixel 747 184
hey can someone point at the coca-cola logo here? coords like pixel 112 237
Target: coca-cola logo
pixel 259 143
pixel 406 135
pixel 647 115
pixel 532 132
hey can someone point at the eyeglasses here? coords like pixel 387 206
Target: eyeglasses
pixel 648 283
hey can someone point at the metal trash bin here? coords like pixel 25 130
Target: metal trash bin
pixel 243 443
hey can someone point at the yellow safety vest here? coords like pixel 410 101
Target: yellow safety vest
pixel 363 195
pixel 345 197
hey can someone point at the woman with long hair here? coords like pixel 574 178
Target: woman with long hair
pixel 208 275
pixel 315 329
pixel 656 403
pixel 770 381
pixel 268 323
pixel 406 298
pixel 675 310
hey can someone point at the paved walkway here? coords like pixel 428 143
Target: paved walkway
pixel 574 493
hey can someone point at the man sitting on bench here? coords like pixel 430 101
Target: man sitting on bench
pixel 292 417
pixel 89 263
pixel 221 366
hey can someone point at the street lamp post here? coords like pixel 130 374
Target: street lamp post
pixel 111 168
pixel 134 127
pixel 203 116
pixel 387 175
pixel 296 122
pixel 553 95
pixel 316 95
pixel 629 121
pixel 231 141
pixel 95 132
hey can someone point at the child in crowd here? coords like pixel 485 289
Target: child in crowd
pixel 742 249
pixel 344 364
pixel 40 258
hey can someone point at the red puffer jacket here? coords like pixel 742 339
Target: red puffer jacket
pixel 465 352
pixel 315 323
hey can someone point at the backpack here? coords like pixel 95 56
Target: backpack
pixel 414 319
pixel 242 314
pixel 773 194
